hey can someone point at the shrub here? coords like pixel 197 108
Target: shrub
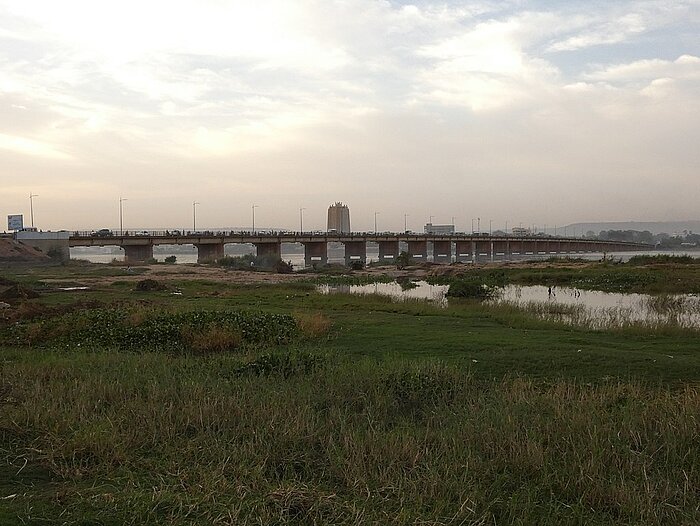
pixel 284 365
pixel 283 267
pixel 135 330
pixel 471 290
pixel 170 260
pixel 150 285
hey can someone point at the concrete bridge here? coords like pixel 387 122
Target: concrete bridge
pixel 464 247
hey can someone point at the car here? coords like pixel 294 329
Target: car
pixel 103 232
pixel 142 233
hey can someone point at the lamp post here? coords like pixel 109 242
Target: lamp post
pixel 253 209
pixel 194 215
pixel 472 225
pixel 121 215
pixel 405 223
pixel 490 223
pixel 375 221
pixel 478 224
pixel 301 220
pixel 31 206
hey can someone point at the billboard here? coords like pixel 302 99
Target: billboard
pixel 15 222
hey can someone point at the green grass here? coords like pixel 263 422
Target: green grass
pixel 113 438
pixel 403 413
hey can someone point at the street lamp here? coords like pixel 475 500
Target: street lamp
pixel 375 221
pixel 405 224
pixel 472 225
pixel 301 219
pixel 490 222
pixel 31 206
pixel 253 209
pixel 121 215
pixel 478 224
pixel 194 216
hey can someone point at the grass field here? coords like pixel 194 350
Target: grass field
pixel 370 412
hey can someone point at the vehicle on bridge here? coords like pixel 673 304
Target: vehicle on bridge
pixel 103 232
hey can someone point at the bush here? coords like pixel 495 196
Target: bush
pixel 283 267
pixel 130 329
pixel 471 290
pixel 662 259
pixel 170 260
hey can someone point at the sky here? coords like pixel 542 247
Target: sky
pixel 533 113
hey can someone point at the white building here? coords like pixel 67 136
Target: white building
pixel 438 229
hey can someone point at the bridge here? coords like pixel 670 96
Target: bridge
pixel 464 247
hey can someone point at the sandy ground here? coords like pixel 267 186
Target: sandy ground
pixel 167 273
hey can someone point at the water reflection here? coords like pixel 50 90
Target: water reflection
pixel 399 291
pixel 584 308
pixel 595 309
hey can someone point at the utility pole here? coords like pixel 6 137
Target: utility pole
pixel 121 215
pixel 194 216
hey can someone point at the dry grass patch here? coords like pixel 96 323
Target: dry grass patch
pixel 313 325
pixel 213 338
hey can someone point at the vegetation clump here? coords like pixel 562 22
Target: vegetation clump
pixel 471 290
pixel 197 331
pixel 284 365
pixel 150 285
pixel 662 259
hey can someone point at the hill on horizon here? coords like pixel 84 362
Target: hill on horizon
pixel 655 227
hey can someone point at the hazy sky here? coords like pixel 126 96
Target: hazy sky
pixel 534 112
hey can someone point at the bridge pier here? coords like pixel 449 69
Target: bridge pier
pixel 271 251
pixel 388 251
pixel 499 250
pixel 442 251
pixel 463 251
pixel 355 251
pixel 516 248
pixel 483 250
pixel 315 253
pixel 209 252
pixel 418 250
pixel 137 253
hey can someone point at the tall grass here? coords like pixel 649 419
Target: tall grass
pixel 160 439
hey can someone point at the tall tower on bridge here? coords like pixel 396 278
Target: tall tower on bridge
pixel 339 218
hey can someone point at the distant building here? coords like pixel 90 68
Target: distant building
pixel 439 229
pixel 339 218
pixel 521 231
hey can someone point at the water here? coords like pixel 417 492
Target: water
pixel 294 254
pixel 336 254
pixel 592 309
pixel 421 291
pixel 601 310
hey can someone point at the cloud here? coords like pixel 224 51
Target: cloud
pixel 393 105
pixel 31 147
pixel 685 66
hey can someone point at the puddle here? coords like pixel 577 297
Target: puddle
pixel 419 290
pixel 596 309
pixel 593 309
